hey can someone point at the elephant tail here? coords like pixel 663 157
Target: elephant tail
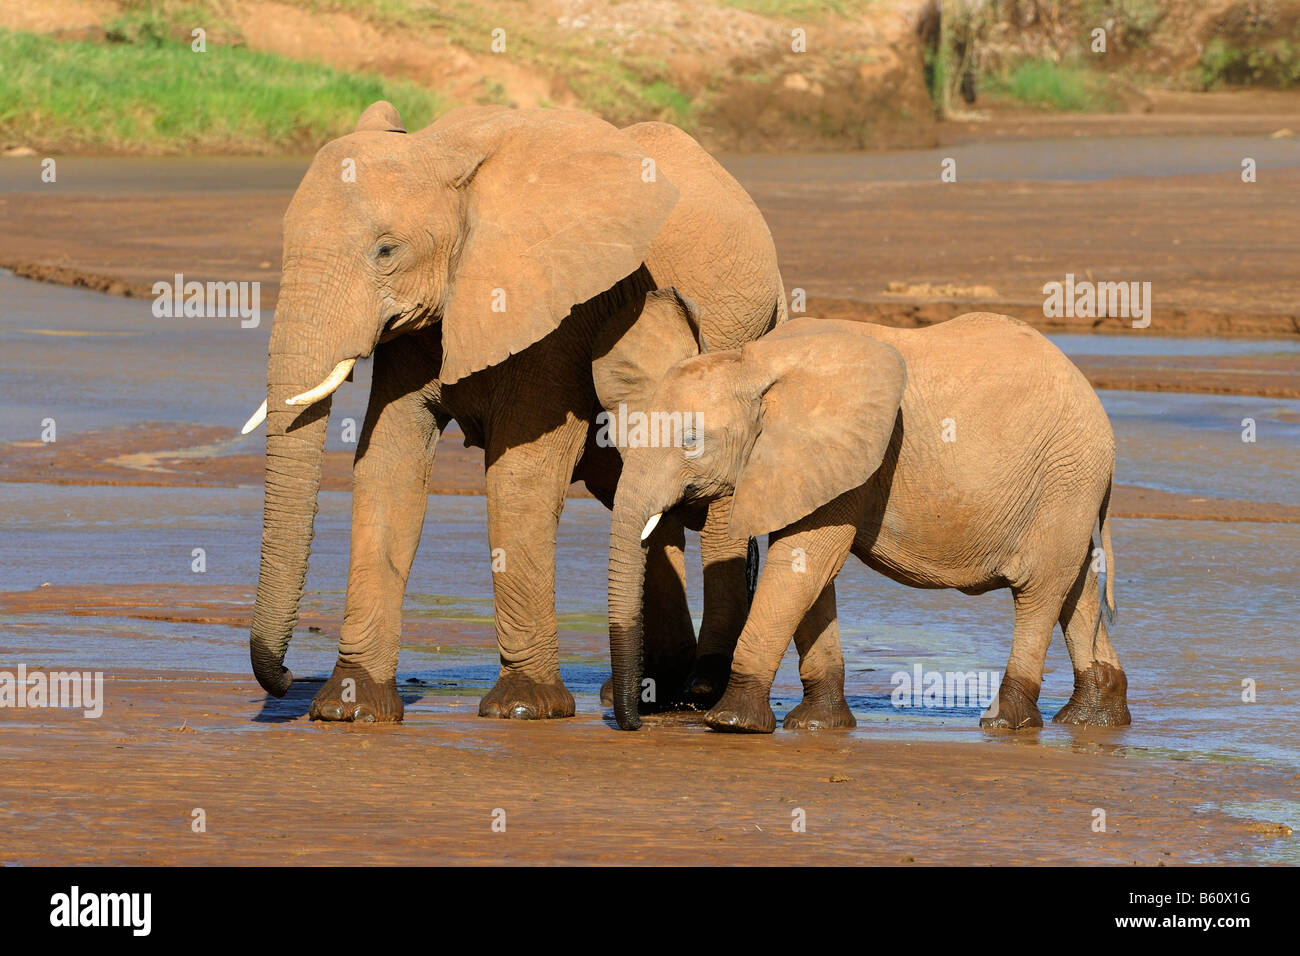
pixel 1103 518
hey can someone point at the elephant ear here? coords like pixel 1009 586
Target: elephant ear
pixel 829 396
pixel 559 207
pixel 639 344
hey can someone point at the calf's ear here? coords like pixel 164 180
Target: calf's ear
pixel 829 398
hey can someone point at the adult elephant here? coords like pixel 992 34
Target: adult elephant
pixel 478 260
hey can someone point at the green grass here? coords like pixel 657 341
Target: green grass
pixel 1058 86
pixel 159 97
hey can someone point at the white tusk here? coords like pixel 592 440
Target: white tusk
pixel 650 525
pixel 259 416
pixel 327 387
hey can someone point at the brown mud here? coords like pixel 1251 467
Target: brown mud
pixel 123 789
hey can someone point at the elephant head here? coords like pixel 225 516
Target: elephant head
pixel 784 425
pixel 491 224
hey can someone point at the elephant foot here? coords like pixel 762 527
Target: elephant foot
pixel 352 694
pixel 521 698
pixel 1015 707
pixel 707 682
pixel 821 713
pixel 1100 698
pixel 743 709
pixel 669 673
pixel 678 698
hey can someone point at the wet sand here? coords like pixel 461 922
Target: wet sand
pixel 122 790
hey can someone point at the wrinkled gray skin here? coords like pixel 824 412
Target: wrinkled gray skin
pixel 477 260
pixel 971 455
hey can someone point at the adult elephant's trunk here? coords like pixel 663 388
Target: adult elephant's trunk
pixel 633 508
pixel 302 354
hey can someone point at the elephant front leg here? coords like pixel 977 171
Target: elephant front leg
pixel 821 670
pixel 390 480
pixel 801 563
pixel 526 484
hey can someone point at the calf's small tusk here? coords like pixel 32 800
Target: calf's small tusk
pixel 327 387
pixel 259 416
pixel 650 525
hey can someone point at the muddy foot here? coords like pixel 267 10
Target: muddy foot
pixel 707 683
pixel 744 710
pixel 820 714
pixel 675 701
pixel 1015 707
pixel 352 694
pixel 1100 698
pixel 519 698
pixel 669 673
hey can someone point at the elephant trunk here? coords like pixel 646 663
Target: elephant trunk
pixel 633 508
pixel 300 357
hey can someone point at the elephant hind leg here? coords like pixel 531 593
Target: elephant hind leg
pixel 821 669
pixel 1016 707
pixel 1100 697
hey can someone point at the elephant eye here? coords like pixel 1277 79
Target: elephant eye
pixel 384 251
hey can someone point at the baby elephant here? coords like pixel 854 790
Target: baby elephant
pixel 971 455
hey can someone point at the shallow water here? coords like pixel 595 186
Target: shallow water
pixel 1136 343
pixel 1193 444
pixel 1062 159
pixel 1059 159
pixel 92 361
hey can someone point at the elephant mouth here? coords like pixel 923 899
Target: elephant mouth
pixel 416 317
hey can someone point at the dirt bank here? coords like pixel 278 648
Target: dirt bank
pixel 275 788
pixel 1220 255
pixel 738 76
